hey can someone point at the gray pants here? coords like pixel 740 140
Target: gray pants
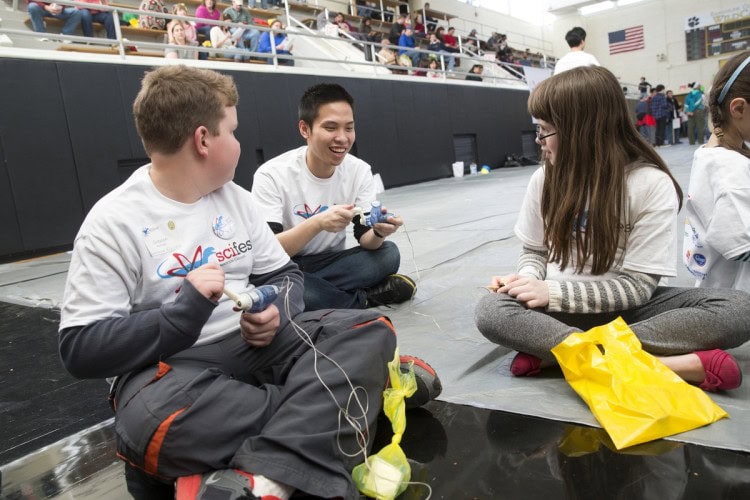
pixel 261 410
pixel 674 321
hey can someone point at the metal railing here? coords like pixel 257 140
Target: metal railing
pixel 335 44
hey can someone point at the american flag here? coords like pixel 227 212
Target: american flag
pixel 626 40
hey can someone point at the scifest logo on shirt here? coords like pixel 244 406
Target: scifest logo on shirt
pixel 305 211
pixel 178 265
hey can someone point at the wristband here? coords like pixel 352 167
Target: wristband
pixel 378 234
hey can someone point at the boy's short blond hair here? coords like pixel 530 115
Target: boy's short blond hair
pixel 175 100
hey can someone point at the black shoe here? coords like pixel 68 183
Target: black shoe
pixel 428 383
pixel 395 289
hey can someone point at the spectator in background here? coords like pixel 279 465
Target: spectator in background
pixel 673 132
pixel 494 41
pixel 407 46
pixel 280 41
pixel 433 69
pixel 386 55
pixel 436 45
pixel 643 87
pixel 221 38
pixel 367 30
pixel 177 43
pixel 191 34
pixel 151 18
pixel 449 39
pixel 418 24
pixel 430 22
pixel 207 10
pixel 471 42
pixel 248 38
pixel 475 74
pixel 263 4
pixel 90 16
pixel 527 59
pixel 696 111
pixel 661 112
pixel 397 29
pixel 39 10
pixel 576 39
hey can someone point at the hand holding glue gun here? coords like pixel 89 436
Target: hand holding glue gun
pixel 257 328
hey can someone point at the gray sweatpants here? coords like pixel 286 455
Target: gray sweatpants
pixel 261 410
pixel 674 321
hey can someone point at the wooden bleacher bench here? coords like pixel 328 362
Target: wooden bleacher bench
pixel 98 27
pixel 53 21
pixel 90 49
pixel 161 35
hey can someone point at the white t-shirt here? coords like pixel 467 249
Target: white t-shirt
pixel 574 59
pixel 717 223
pixel 136 246
pixel 646 241
pixel 287 193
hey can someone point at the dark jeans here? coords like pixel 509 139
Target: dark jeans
pixel 340 279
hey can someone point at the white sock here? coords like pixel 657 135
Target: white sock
pixel 264 486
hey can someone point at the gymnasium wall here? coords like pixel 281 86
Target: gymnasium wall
pixel 67 135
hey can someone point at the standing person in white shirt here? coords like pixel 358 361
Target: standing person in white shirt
pixel 576 39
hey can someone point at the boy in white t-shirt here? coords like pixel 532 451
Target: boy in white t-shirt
pixel 308 197
pixel 222 401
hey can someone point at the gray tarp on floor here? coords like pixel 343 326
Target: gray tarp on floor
pixel 458 233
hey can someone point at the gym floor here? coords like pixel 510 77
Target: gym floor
pixel 487 436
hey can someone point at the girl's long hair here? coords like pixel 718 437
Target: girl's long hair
pixel 583 192
pixel 720 116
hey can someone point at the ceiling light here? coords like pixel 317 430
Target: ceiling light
pixel 597 7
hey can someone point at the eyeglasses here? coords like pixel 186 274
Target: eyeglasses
pixel 540 137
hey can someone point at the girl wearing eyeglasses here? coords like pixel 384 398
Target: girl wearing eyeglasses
pixel 597 231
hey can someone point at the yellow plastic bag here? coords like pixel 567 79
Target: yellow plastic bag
pixel 631 393
pixel 386 474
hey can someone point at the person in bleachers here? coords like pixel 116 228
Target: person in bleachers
pixel 150 19
pixel 280 41
pixel 249 37
pixel 494 42
pixel 263 4
pixel 407 46
pixel 91 16
pixel 191 34
pixel 475 74
pixel 191 31
pixel 207 10
pixel 370 32
pixel 386 55
pixel 433 69
pixel 430 22
pixel 221 38
pixel 437 45
pixel 177 43
pixel 397 29
pixel 419 28
pixel 39 10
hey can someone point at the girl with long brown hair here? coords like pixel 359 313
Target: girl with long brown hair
pixel 597 228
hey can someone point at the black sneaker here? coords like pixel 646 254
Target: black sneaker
pixel 428 383
pixel 395 289
pixel 223 484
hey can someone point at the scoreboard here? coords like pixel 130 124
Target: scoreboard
pixel 717 39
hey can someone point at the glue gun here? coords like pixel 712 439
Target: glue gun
pixel 376 214
pixel 254 300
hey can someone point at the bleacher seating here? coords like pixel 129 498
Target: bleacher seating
pixel 299 10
